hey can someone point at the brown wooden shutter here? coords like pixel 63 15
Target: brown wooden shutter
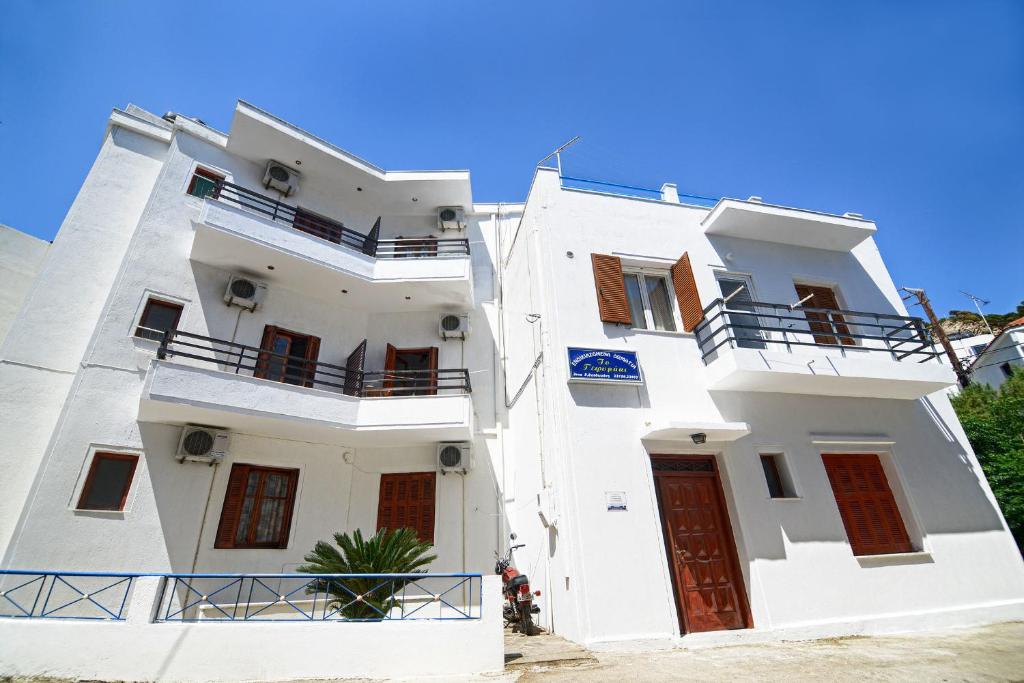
pixel 232 509
pixel 267 344
pixel 824 297
pixel 612 302
pixel 407 501
pixel 686 293
pixel 289 508
pixel 866 504
pixel 312 354
pixel 354 370
pixel 390 361
pixel 433 375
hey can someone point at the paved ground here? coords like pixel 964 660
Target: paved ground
pixel 993 653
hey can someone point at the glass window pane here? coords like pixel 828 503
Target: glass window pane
pixel 636 302
pixel 657 295
pixel 157 318
pixel 772 476
pixel 748 336
pixel 202 187
pixel 109 478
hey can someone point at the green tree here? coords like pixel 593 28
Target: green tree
pixel 386 552
pixel 994 422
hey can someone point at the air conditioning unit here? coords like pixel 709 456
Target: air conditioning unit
pixel 453 326
pixel 245 292
pixel 450 218
pixel 203 444
pixel 453 456
pixel 281 178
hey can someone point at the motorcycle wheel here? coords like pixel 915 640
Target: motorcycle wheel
pixel 526 623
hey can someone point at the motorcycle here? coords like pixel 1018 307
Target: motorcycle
pixel 519 608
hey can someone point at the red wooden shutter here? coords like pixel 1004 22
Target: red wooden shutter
pixel 612 302
pixel 407 501
pixel 686 293
pixel 866 504
pixel 267 344
pixel 232 509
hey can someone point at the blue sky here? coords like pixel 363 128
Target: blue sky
pixel 911 113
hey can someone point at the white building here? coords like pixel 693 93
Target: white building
pixel 994 362
pixel 21 257
pixel 331 326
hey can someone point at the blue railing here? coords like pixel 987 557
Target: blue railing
pixel 320 597
pixel 64 595
pixel 243 597
pixel 574 183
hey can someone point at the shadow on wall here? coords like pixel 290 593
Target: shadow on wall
pixel 936 475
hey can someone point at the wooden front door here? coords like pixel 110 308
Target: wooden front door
pixel 410 372
pixel 710 595
pixel 824 324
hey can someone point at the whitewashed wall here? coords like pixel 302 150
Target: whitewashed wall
pixel 1008 349
pixel 21 258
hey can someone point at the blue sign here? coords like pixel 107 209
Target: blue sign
pixel 599 365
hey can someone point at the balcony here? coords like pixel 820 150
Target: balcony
pixel 755 220
pixel 758 346
pixel 202 380
pixel 241 230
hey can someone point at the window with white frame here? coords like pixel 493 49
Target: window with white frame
pixel 650 303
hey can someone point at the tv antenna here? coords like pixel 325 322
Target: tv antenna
pixel 558 154
pixel 978 303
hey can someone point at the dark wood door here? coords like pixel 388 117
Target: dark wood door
pixel 824 324
pixel 287 356
pixel 709 587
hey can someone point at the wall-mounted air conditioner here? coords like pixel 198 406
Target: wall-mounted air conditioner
pixel 454 456
pixel 245 292
pixel 453 326
pixel 281 178
pixel 203 444
pixel 450 218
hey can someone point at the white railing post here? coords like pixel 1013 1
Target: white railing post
pixel 144 600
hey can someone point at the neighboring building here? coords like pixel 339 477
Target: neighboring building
pixel 256 339
pixel 994 363
pixel 21 257
pixel 779 468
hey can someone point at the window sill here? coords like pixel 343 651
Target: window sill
pixel 787 499
pixel 660 333
pixel 895 559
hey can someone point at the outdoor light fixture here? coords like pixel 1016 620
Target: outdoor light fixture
pixel 699 438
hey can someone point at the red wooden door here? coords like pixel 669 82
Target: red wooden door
pixel 702 555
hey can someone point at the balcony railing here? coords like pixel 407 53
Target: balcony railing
pixel 761 325
pixel 300 371
pixel 336 232
pixel 110 596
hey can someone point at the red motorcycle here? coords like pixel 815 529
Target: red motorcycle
pixel 519 607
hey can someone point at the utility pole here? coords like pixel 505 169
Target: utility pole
pixel 922 299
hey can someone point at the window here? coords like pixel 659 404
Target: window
pixel 288 357
pixel 410 372
pixel 317 225
pixel 258 506
pixel 407 501
pixel 649 304
pixel 775 475
pixel 866 504
pixel 107 484
pixel 204 183
pixel 157 318
pixel 1007 369
pixel 745 329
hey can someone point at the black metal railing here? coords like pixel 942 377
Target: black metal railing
pixel 762 325
pixel 300 371
pixel 336 232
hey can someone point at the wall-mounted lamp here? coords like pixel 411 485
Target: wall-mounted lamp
pixel 699 438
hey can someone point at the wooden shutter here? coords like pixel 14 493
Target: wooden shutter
pixel 312 354
pixel 267 344
pixel 407 501
pixel 866 504
pixel 612 302
pixel 370 241
pixel 824 297
pixel 232 509
pixel 390 361
pixel 354 370
pixel 433 374
pixel 686 293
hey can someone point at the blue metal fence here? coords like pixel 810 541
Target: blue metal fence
pixel 244 597
pixel 64 595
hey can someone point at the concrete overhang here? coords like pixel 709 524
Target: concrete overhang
pixel 784 225
pixel 233 239
pixel 715 432
pixel 176 393
pixel 259 136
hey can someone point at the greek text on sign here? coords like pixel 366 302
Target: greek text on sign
pixel 600 365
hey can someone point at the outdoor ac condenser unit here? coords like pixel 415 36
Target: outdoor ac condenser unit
pixel 450 218
pixel 281 178
pixel 203 444
pixel 454 456
pixel 245 292
pixel 453 326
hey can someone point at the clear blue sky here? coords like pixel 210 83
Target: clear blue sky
pixel 911 113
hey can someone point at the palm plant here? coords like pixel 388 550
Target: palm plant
pixel 386 552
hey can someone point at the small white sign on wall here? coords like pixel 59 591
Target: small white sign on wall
pixel 615 500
